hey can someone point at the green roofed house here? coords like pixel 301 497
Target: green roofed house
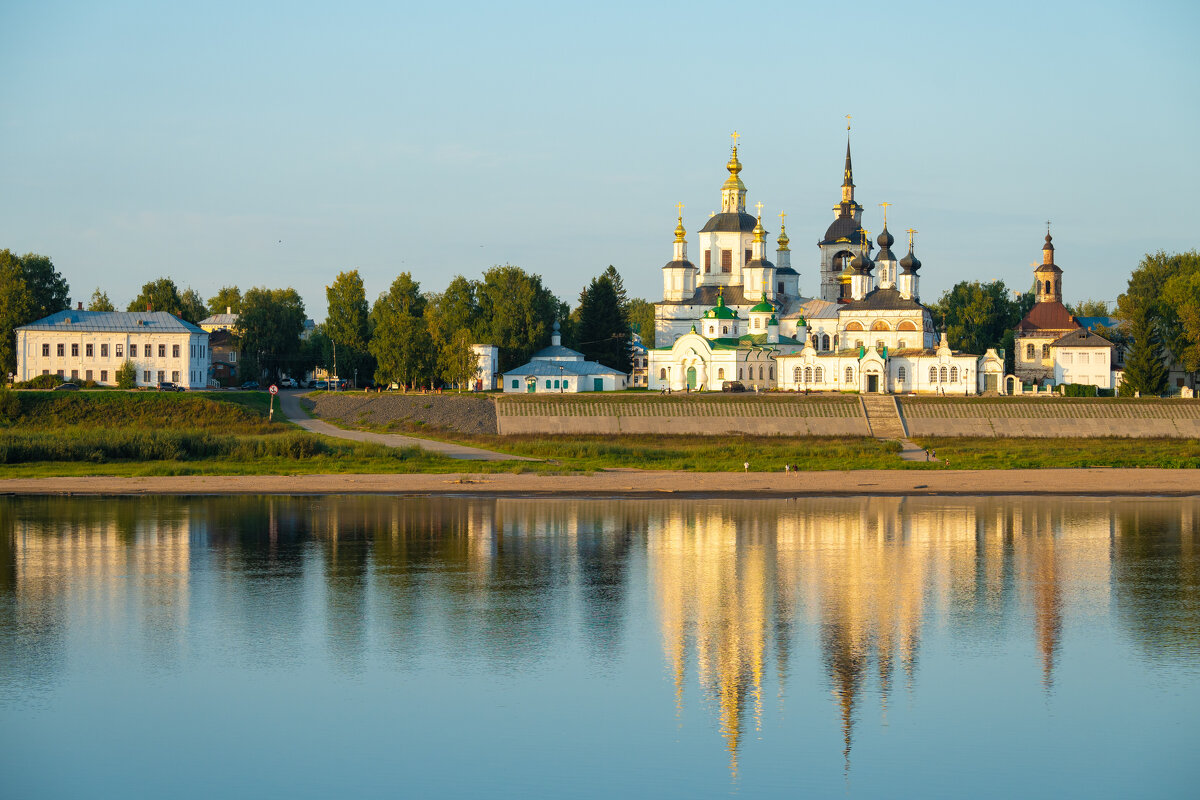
pixel 558 369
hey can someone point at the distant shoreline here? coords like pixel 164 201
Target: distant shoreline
pixel 1095 482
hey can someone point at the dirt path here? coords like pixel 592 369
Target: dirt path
pixel 637 483
pixel 289 402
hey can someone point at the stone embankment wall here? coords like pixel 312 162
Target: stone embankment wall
pixel 410 413
pixel 1051 418
pixel 654 414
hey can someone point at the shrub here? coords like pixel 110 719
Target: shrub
pixel 127 376
pixel 41 382
pixel 1078 390
pixel 10 406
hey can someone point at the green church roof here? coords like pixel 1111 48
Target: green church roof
pixel 720 310
pixel 764 306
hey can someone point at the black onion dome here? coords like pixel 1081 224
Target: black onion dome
pixel 862 265
pixel 844 227
pixel 886 239
pixel 1049 245
pixel 910 264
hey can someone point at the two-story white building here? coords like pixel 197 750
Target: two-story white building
pixel 80 345
pixel 1083 357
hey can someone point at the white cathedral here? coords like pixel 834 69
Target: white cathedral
pixel 739 317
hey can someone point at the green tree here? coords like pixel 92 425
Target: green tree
pixel 516 312
pixel 126 376
pixel 346 323
pixel 47 287
pixel 316 351
pixel 228 300
pixel 641 319
pixel 1145 371
pixel 400 340
pixel 269 326
pixel 158 295
pixel 16 309
pixel 191 306
pixel 457 362
pixel 603 332
pixel 618 286
pixel 1181 295
pixel 1091 308
pixel 977 315
pixel 100 301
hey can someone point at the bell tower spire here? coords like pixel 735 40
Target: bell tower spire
pixel 733 192
pixel 1048 277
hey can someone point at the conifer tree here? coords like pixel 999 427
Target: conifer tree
pixel 1145 371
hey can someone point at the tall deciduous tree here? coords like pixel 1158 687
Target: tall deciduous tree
pixel 16 309
pixel 1181 295
pixel 269 326
pixel 641 319
pixel 100 301
pixel 603 331
pixel 228 300
pixel 346 323
pixel 457 362
pixel 400 341
pixel 191 306
pixel 158 295
pixel 516 312
pixel 47 286
pixel 1145 371
pixel 977 315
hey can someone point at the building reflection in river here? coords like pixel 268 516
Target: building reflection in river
pixel 735 587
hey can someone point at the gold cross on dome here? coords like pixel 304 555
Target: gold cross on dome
pixel 910 232
pixel 735 136
pixel 782 218
pixel 848 118
pixel 679 208
pixel 759 207
pixel 885 208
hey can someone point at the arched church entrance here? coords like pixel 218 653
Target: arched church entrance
pixel 691 378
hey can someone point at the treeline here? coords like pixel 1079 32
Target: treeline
pixel 407 336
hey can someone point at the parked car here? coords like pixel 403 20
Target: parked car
pixel 320 385
pixel 287 383
pixel 732 386
pixel 169 386
pixel 250 385
pixel 67 387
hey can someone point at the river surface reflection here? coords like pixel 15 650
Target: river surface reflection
pixel 371 646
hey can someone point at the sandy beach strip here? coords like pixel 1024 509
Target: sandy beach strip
pixel 637 483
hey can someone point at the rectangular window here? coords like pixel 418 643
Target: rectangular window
pixel 132 351
pixel 145 375
pixel 74 374
pixel 45 372
pixel 162 376
pixel 1045 351
pixel 749 255
pixel 727 261
pixel 60 373
pixel 175 376
pixel 1083 358
pixel 232 356
pixel 87 350
pixel 104 351
pixel 104 376
pixel 119 350
pixel 162 351
pixel 707 261
pixel 46 350
pixel 174 351
pixel 1066 358
pixel 87 375
pixel 516 384
pixel 781 287
pixel 61 351
pixel 74 350
pixel 547 383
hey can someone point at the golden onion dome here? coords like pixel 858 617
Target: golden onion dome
pixel 679 231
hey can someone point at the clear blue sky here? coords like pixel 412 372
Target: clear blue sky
pixel 277 144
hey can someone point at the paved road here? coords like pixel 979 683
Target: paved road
pixel 910 452
pixel 289 402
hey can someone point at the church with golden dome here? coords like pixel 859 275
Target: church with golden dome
pixel 736 317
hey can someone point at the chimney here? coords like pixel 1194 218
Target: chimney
pixel 80 306
pixel 149 306
pixel 228 309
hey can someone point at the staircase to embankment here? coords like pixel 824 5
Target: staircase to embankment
pixel 883 416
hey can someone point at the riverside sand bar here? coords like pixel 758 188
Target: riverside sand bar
pixel 635 483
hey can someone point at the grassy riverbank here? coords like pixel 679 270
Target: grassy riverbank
pixel 982 453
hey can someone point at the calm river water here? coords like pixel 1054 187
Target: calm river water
pixel 392 647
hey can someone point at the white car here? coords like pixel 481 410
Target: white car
pixel 287 383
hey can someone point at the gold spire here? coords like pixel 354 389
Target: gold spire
pixel 884 206
pixel 910 233
pixel 679 231
pixel 783 237
pixel 760 233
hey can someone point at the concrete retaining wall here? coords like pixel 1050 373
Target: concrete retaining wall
pixel 1052 418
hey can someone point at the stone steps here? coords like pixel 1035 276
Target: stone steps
pixel 883 417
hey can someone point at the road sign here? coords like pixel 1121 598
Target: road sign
pixel 274 389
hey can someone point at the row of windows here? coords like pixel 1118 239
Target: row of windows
pixel 769 372
pixel 118 350
pixel 88 375
pixel 881 325
pixel 1029 351
pixel 809 375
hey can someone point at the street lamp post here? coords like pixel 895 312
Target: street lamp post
pixel 560 380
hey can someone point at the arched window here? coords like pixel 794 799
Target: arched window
pixel 820 375
pixel 942 375
pixel 849 374
pixel 933 374
pixel 954 374
pixel 879 345
pixel 796 375
pixel 880 325
pixel 825 342
pixel 1029 352
pixel 808 374
pixel 1047 287
pixel 760 372
pixel 724 329
pixel 1045 351
pixel 900 373
pixel 770 373
pixel 712 330
pixel 858 343
pixel 756 321
pixel 907 325
pixel 854 326
pixel 721 374
pixel 662 374
pixel 900 344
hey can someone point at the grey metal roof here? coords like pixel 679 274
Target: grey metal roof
pixel 679 265
pixel 729 221
pixel 557 351
pixel 113 322
pixel 759 262
pixel 228 320
pixel 884 300
pixel 553 369
pixel 707 296
pixel 1081 338
pixel 816 308
pixel 844 227
pixel 785 271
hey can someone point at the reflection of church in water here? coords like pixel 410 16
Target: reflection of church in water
pixel 733 591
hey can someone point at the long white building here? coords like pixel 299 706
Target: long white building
pixel 82 345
